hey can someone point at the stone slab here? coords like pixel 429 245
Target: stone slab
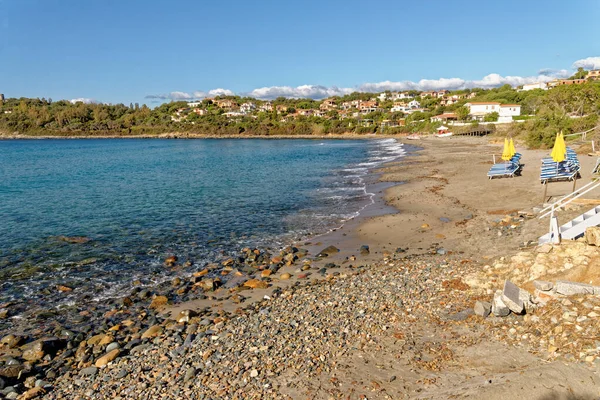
pixel 482 308
pixel 570 288
pixel 499 308
pixel 544 286
pixel 511 295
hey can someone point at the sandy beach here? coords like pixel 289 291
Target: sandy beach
pixel 394 322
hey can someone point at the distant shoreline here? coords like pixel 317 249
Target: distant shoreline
pixel 177 135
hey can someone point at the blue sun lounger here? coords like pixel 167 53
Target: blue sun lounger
pixel 506 169
pixel 566 170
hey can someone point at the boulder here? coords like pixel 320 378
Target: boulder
pixel 284 276
pixel 256 284
pixel 364 250
pixel 185 315
pixel 592 235
pixel 170 261
pixel 153 331
pixel 159 302
pixel 482 308
pixel 570 288
pixel 499 308
pixel 543 285
pixel 108 357
pixel 328 251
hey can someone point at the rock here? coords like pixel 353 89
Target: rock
pixel 511 296
pixel 108 357
pixel 74 239
pixel 12 371
pixel 185 315
pixel 425 226
pixel 545 248
pixel 499 308
pixel 64 289
pixel 328 251
pixel 96 339
pixel 112 346
pixel 89 371
pixel 207 284
pixel 482 308
pixel 200 273
pixel 364 250
pixel 190 374
pixel 256 284
pixel 441 251
pixel 153 331
pixel 570 288
pixel 285 276
pixel 159 302
pixel 266 273
pixel 11 341
pixel 592 235
pixel 543 285
pixel 32 393
pixel 170 261
pixel 253 373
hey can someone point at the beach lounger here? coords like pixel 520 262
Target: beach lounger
pixel 566 170
pixel 504 170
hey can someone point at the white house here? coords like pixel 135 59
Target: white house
pixel 247 108
pixel 195 103
pixel 478 110
pixel 414 104
pixel 508 111
pixel 382 96
pixel 400 96
pixel 537 85
pixel 267 106
pixel 400 108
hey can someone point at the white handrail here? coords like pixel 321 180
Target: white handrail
pixel 576 194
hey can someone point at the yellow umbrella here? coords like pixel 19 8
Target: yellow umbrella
pixel 559 150
pixel 512 147
pixel 506 151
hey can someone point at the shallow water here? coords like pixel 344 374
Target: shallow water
pixel 139 200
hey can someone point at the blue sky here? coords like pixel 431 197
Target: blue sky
pixel 152 51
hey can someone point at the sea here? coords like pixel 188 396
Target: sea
pixel 98 215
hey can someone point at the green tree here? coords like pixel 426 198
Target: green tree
pixel 462 113
pixel 491 117
pixel 580 74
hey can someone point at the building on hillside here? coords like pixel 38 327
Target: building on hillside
pixel 281 108
pixel 445 117
pixel 508 111
pixel 247 108
pixel 471 95
pixel 194 103
pixel 400 96
pixel 448 101
pixel 591 75
pixel 328 105
pixel 367 107
pixel 561 82
pixel 414 110
pixel 533 86
pixel 479 109
pixel 400 107
pixel 199 111
pixel 386 123
pixel 430 94
pixel 225 103
pixel 441 93
pixel 414 104
pixel 266 107
pixel 383 96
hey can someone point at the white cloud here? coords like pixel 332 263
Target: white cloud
pixel 84 100
pixel 319 92
pixel 587 63
pixel 220 92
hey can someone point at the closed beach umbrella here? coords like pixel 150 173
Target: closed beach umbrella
pixel 559 150
pixel 506 151
pixel 511 144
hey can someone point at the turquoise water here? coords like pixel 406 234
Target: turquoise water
pixel 138 201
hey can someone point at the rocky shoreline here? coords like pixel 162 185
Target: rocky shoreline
pixel 395 319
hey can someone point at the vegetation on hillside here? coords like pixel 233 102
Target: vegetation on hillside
pixel 570 108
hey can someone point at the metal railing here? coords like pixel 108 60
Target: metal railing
pixel 563 201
